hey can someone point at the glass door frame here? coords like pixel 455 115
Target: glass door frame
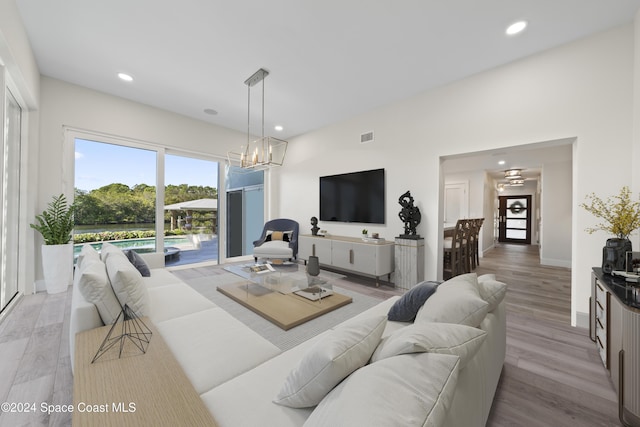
pixel 221 205
pixel 11 220
pixel 25 252
pixel 68 178
pixel 241 189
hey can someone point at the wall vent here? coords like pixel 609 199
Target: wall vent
pixel 366 137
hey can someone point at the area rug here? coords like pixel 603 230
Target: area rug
pixel 281 339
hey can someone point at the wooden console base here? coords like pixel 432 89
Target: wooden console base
pixel 137 389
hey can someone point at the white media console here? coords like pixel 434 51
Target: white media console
pixel 350 254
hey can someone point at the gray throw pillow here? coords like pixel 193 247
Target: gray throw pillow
pixel 406 308
pixel 138 263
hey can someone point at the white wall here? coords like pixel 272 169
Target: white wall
pixel 16 53
pixel 635 153
pixel 23 79
pixel 556 214
pixel 489 209
pixel 583 90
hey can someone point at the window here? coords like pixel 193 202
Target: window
pixel 141 197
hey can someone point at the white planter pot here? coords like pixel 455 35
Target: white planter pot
pixel 57 266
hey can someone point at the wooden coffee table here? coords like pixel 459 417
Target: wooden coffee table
pixel 282 308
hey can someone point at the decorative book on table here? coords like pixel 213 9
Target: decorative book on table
pixel 261 268
pixel 314 293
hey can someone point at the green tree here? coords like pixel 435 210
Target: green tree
pixel 119 204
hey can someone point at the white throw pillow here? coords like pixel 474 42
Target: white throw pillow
pixel 127 284
pixel 455 301
pixel 401 391
pixel 445 338
pixel 491 290
pixel 108 249
pixel 87 252
pixel 485 277
pixel 330 360
pixel 95 287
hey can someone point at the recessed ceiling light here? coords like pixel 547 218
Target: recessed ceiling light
pixel 516 28
pixel 501 162
pixel 278 128
pixel 210 111
pixel 126 77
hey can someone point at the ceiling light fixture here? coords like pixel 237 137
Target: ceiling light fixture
pixel 264 152
pixel 516 182
pixel 513 173
pixel 126 77
pixel 210 111
pixel 516 28
pixel 501 162
pixel 278 128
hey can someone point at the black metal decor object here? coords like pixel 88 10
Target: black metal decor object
pixel 614 254
pixel 410 215
pixel 314 228
pixel 133 328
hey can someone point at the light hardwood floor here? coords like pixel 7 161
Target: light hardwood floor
pixel 552 375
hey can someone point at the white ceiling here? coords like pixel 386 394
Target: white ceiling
pixel 529 158
pixel 329 60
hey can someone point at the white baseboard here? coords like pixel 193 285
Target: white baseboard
pixel 40 286
pixel 582 320
pixel 482 252
pixel 555 262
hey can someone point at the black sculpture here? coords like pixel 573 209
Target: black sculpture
pixel 315 228
pixel 410 215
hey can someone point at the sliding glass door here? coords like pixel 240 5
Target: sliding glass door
pixel 10 199
pixel 191 209
pixel 117 188
pixel 115 194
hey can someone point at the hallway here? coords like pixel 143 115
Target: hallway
pixel 538 291
pixel 553 375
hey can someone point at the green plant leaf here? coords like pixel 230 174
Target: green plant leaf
pixel 56 222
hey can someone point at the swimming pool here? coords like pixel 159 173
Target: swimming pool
pixel 140 245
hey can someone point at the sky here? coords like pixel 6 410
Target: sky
pixel 98 164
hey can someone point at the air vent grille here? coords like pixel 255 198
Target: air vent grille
pixel 366 137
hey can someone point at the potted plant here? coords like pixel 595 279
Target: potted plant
pixel 621 216
pixel 365 233
pixel 56 224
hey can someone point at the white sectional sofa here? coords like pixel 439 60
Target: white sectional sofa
pixel 239 375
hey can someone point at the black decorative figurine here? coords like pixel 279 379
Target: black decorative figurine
pixel 315 228
pixel 410 215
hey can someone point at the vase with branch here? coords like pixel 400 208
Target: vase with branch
pixel 620 216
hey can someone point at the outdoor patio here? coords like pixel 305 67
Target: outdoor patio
pixel 190 254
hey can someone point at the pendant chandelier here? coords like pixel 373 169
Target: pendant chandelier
pixel 513 174
pixel 264 152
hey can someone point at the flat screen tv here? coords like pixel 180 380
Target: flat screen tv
pixel 353 197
